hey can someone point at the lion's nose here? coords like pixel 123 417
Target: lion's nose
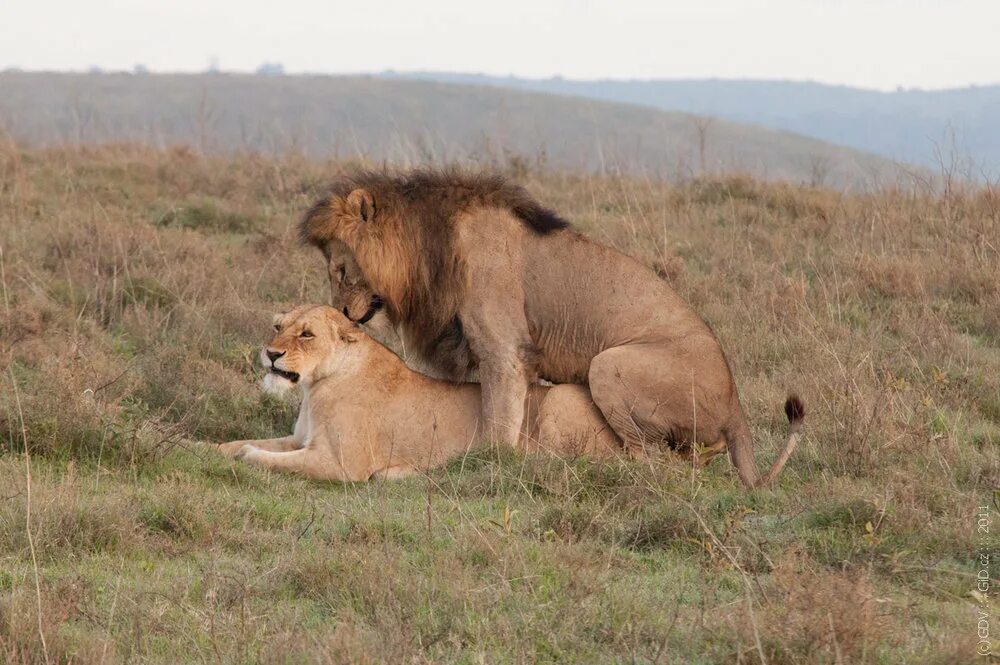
pixel 274 355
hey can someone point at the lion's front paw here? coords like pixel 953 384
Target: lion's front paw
pixel 232 448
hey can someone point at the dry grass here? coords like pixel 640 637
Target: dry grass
pixel 138 284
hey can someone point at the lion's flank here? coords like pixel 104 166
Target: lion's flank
pixel 432 197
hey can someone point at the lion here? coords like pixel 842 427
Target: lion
pixel 476 274
pixel 364 413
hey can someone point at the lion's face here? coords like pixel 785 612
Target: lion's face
pixel 350 292
pixel 310 343
pixel 359 303
pixel 343 271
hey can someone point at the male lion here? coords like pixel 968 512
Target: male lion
pixel 475 273
pixel 365 413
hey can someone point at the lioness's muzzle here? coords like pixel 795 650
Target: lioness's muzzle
pixel 291 376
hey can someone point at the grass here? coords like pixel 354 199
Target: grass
pixel 138 285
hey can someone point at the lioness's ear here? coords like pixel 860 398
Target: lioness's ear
pixel 341 325
pixel 361 204
pixel 349 335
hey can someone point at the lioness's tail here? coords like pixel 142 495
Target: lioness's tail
pixel 741 445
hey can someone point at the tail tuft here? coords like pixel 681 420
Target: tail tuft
pixel 795 410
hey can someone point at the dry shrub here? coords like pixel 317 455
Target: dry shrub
pixel 817 615
pixel 343 642
pixel 991 320
pixel 62 604
pixel 892 277
pixel 67 519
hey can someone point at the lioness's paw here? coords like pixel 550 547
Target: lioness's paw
pixel 232 448
pixel 247 452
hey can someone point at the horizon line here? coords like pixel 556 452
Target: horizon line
pixel 140 70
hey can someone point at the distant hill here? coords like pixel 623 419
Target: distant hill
pixel 914 126
pixel 410 121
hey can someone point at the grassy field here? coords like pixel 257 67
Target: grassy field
pixel 137 287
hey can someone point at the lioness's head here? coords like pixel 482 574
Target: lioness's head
pixel 310 343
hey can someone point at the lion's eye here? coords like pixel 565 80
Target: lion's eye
pixel 341 273
pixel 277 327
pixel 305 334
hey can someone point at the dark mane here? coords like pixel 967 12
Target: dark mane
pixel 436 196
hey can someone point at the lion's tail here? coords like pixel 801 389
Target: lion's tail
pixel 741 445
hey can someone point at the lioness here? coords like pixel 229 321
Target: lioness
pixel 365 413
pixel 475 273
pixel 364 307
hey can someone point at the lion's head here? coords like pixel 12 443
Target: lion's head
pixel 395 234
pixel 310 343
pixel 342 226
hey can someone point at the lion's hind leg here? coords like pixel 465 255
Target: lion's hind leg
pixel 658 396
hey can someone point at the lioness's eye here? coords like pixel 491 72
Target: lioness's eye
pixel 277 327
pixel 306 334
pixel 341 273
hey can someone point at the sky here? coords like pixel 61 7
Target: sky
pixel 881 44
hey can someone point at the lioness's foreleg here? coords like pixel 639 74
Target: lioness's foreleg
pixel 312 461
pixel 276 445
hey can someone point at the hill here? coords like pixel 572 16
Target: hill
pixel 916 126
pixel 408 121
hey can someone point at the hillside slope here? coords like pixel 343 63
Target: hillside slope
pixel 407 121
pixel 913 126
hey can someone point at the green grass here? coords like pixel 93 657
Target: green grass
pixel 123 341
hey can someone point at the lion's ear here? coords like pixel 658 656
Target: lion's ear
pixel 361 204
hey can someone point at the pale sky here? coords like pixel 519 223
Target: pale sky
pixel 868 43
